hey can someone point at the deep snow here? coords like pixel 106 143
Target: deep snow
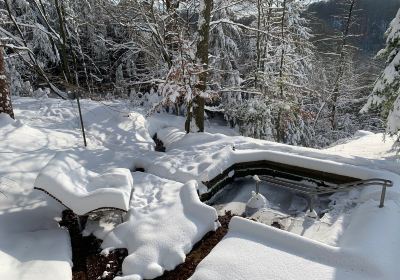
pixel 120 137
pixel 165 220
pixel 82 190
pixel 251 250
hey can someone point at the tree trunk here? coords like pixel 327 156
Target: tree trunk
pixel 188 120
pixel 64 58
pixel 282 62
pixel 266 40
pixel 258 44
pixel 340 69
pixel 5 96
pixel 202 57
pixel 279 125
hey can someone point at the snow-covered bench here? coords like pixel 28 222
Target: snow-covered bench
pixel 82 190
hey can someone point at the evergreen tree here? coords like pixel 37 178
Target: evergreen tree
pixel 386 92
pixel 274 109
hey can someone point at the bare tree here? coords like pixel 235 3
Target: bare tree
pixel 342 52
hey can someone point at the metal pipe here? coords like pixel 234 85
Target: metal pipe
pixel 311 208
pixel 383 194
pixel 257 179
pixel 78 219
pixel 80 117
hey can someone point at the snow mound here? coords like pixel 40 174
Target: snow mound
pixel 257 201
pixel 5 119
pixel 165 220
pixel 83 190
pixel 44 255
pixel 362 133
pixel 108 126
pixel 255 251
pixel 11 140
pixel 202 156
pixel 170 135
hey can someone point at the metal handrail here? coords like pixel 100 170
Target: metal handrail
pixel 318 190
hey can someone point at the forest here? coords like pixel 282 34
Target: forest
pixel 199 139
pixel 295 72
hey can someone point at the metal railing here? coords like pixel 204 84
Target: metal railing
pixel 310 183
pixel 313 189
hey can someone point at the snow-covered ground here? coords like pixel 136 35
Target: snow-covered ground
pixel 252 250
pixel 165 220
pixel 120 137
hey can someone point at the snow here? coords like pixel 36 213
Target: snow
pixel 32 246
pixel 393 121
pixel 252 250
pixel 83 190
pixel 372 150
pixel 44 255
pixel 214 153
pixel 394 30
pixel 169 135
pixel 289 210
pixel 165 220
pixel 103 224
pixel 389 75
pixel 386 90
pixel 110 127
pixel 171 126
pixel 255 251
pixel 13 131
pixel 203 156
pixel 257 201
